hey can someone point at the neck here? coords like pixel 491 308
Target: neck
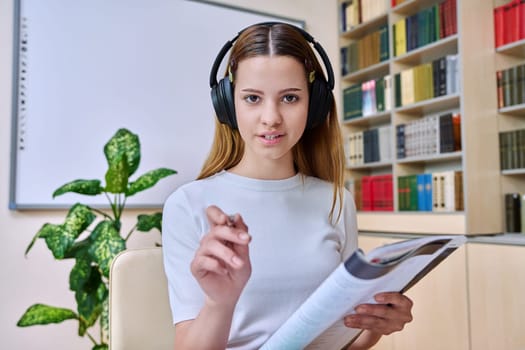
pixel 266 170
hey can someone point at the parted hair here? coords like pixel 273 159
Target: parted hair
pixel 319 152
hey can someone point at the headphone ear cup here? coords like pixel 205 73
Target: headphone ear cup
pixel 222 99
pixel 320 102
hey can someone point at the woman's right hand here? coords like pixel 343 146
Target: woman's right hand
pixel 221 264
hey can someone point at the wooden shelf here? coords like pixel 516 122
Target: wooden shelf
pixel 364 28
pixel 377 70
pixel 370 120
pixel 518 110
pixel 410 7
pixel 429 52
pixel 412 222
pixel 435 158
pixel 516 48
pixel 430 105
pixel 373 165
pixel 513 172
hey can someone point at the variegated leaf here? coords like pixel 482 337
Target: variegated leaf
pixel 78 219
pixel 100 347
pixel 146 223
pixel 87 187
pixel 117 175
pixel 59 240
pixel 148 180
pixel 89 301
pixel 80 273
pixel 106 243
pixel 44 231
pixel 89 309
pixel 40 314
pixel 104 321
pixel 126 143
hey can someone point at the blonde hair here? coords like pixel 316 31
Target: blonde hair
pixel 319 152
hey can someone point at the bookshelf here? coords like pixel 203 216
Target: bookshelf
pixel 509 57
pixel 473 98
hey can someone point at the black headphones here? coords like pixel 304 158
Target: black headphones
pixel 321 95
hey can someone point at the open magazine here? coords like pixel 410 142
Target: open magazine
pixel 318 322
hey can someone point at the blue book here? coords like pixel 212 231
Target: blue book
pixel 428 192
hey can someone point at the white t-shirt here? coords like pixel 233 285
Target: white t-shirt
pixel 294 246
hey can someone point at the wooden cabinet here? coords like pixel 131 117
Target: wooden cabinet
pixel 440 306
pixel 474 99
pixel 472 300
pixel 510 68
pixel 496 296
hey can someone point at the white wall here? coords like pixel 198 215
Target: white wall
pixel 39 278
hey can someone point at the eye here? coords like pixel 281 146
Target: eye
pixel 251 99
pixel 290 98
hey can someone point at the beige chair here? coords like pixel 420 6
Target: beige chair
pixel 139 311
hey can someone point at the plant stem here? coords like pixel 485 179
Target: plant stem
pixel 130 232
pixel 91 337
pixel 101 213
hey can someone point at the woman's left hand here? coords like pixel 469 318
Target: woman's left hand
pixel 392 311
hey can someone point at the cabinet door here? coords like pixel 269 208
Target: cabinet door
pixel 440 306
pixel 497 296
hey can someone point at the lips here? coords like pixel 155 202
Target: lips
pixel 271 139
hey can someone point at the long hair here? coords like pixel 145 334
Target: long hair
pixel 319 152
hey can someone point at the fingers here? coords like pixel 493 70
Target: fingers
pixel 218 247
pixel 224 247
pixel 391 314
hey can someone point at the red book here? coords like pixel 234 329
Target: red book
pixel 366 193
pixel 456 128
pixel 388 191
pixel 521 19
pixel 515 21
pixel 453 18
pixel 499 84
pixel 499 31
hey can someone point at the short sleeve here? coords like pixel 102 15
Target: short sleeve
pixel 181 234
pixel 349 218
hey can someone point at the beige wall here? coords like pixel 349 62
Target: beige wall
pixel 38 278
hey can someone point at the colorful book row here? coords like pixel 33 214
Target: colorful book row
pixel 424 27
pixel 512 149
pixel 429 80
pixel 433 192
pixel 509 22
pixel 373 192
pixel 437 191
pixel 355 12
pixel 369 146
pixel 431 135
pixel 511 85
pixel 367 51
pixel 367 98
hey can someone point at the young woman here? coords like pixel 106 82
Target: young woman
pixel 268 219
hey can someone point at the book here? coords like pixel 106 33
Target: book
pixel 318 322
pixel 513 212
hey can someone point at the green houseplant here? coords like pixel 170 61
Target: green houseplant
pixel 102 240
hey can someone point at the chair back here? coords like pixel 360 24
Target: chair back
pixel 139 310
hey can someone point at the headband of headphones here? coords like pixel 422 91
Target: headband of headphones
pixel 227 46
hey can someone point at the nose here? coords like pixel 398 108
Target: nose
pixel 271 114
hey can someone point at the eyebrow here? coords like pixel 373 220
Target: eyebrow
pixel 280 92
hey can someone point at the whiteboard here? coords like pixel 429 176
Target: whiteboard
pixel 85 68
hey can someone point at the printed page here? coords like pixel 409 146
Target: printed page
pixel 317 322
